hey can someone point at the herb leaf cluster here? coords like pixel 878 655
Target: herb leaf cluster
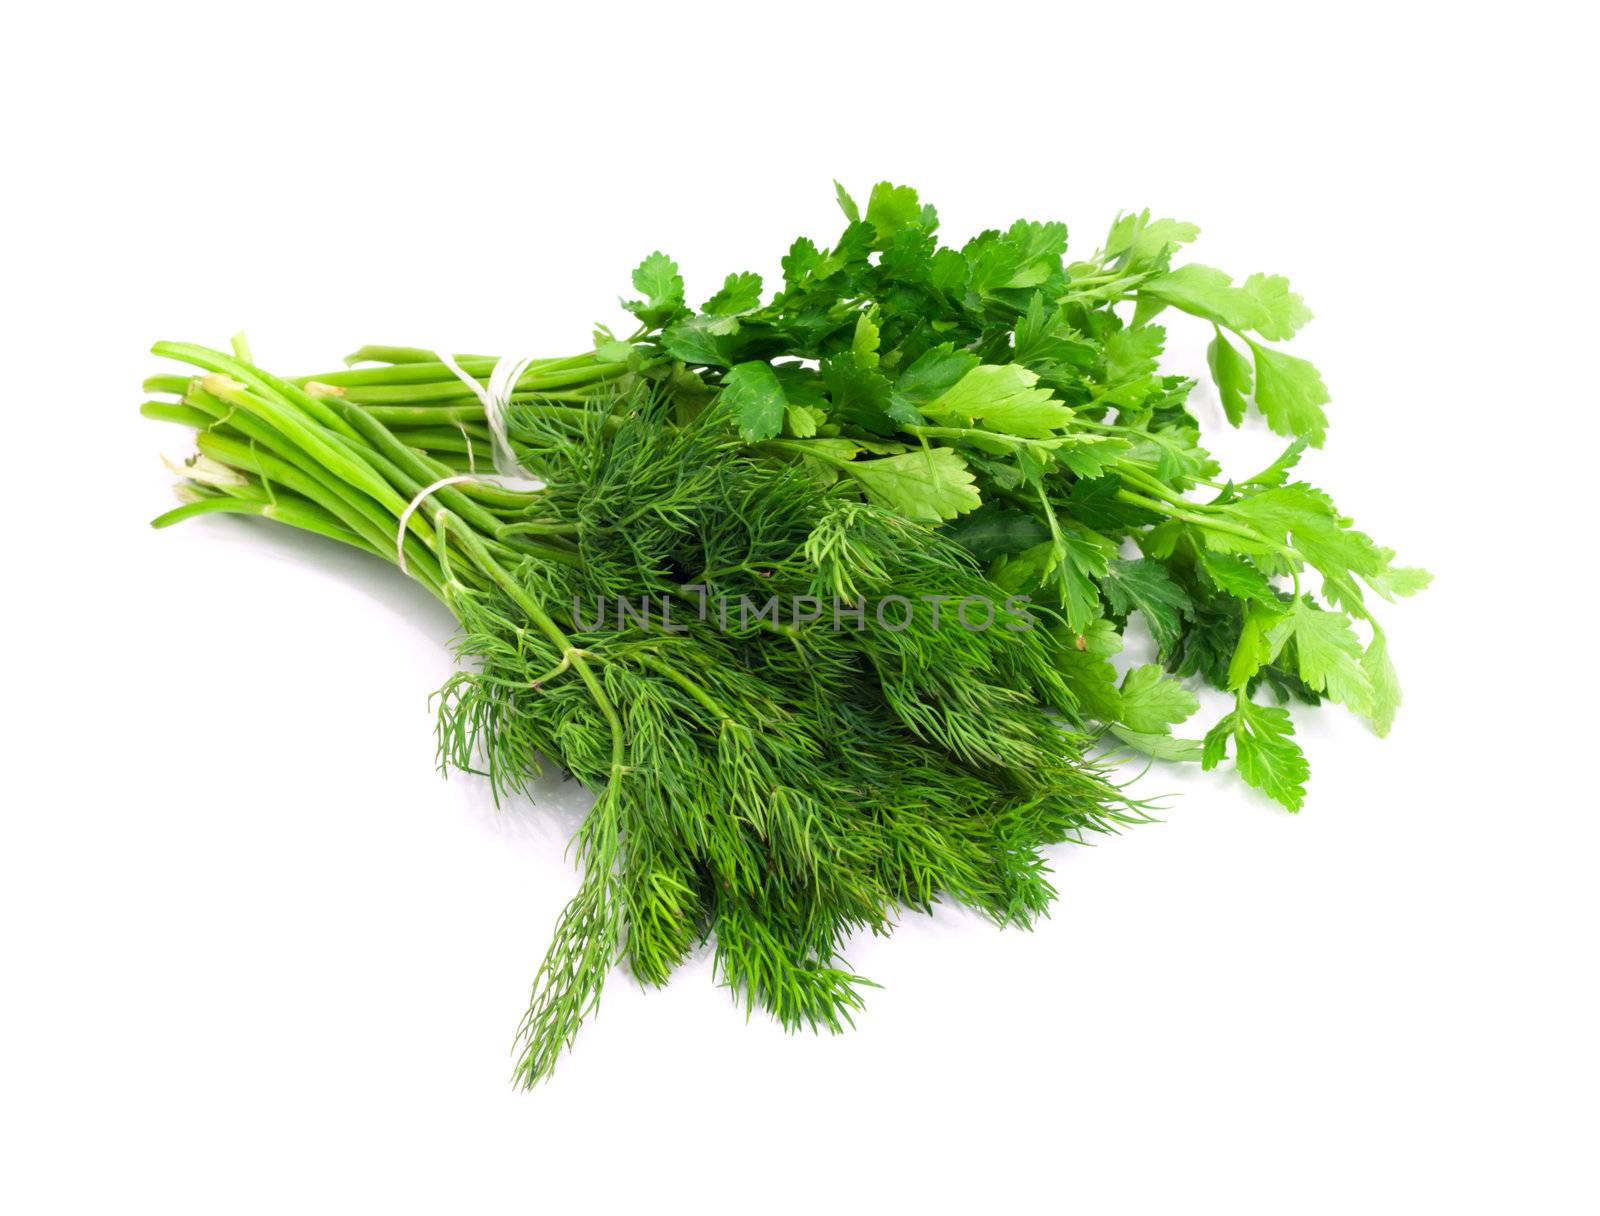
pixel 1016 397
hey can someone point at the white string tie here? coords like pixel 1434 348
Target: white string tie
pixel 509 473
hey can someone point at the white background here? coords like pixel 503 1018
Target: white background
pixel 256 956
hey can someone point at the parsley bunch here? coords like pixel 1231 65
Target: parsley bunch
pixel 900 419
pixel 1015 398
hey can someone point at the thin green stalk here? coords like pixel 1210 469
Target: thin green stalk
pixel 296 515
pixel 518 595
pixel 534 383
pixel 693 690
pixel 1206 521
pixel 397 416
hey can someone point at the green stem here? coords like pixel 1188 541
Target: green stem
pixel 537 527
pixel 693 690
pixel 1207 521
pixel 297 515
pixel 396 416
pixel 518 595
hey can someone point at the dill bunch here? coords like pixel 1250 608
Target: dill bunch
pixel 767 785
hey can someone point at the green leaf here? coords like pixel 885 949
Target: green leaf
pixel 1290 392
pixel 993 530
pixel 1204 291
pixel 740 293
pixel 1044 338
pixel 1005 398
pixel 1146 241
pixel 1130 354
pixel 1304 515
pixel 1089 456
pixel 658 279
pixel 1153 702
pixel 802 386
pixel 1160 747
pixel 830 450
pixel 755 399
pixel 1329 656
pixel 1075 559
pixel 859 395
pixel 891 208
pixel 1144 584
pixel 846 203
pixel 802 421
pixel 1385 683
pixel 1230 371
pixel 930 485
pixel 696 342
pixel 1395 581
pixel 1265 630
pixel 1034 415
pixel 1027 569
pixel 1037 250
pixel 1085 557
pixel 1237 577
pixel 803 259
pixel 1267 756
pixel 613 351
pixel 864 344
pixel 1084 662
pixel 1276 473
pixel 1283 311
pixel 933 373
pixel 1214 748
pixel 1265 751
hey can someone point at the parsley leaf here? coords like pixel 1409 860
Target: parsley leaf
pixel 1282 311
pixel 1207 292
pixel 1085 557
pixel 1328 656
pixel 846 203
pixel 741 293
pixel 1159 746
pixel 1006 399
pixel 1264 749
pixel 658 278
pixel 1145 585
pixel 891 208
pixel 1237 577
pixel 934 373
pixel 860 394
pixel 1230 371
pixel 1385 684
pixel 1153 702
pixel 1290 392
pixel 1140 242
pixel 755 397
pixel 993 530
pixel 1265 630
pixel 931 485
pixel 697 341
